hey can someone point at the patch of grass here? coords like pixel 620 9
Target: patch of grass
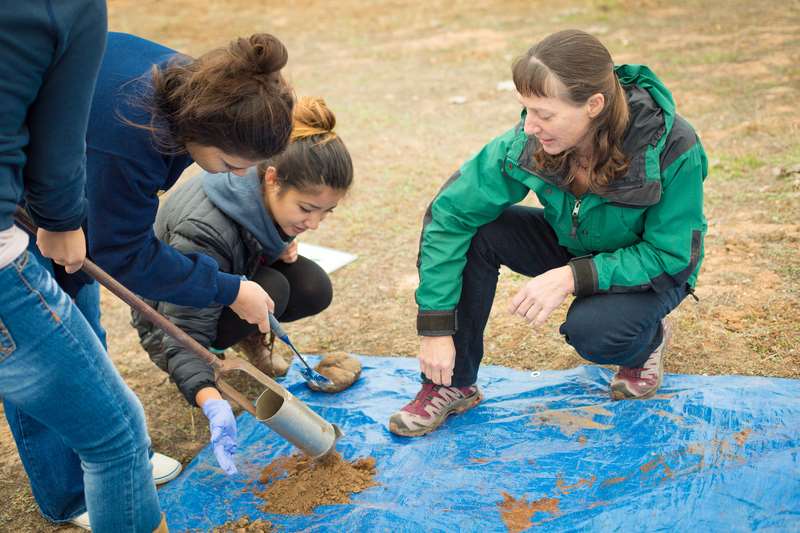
pixel 733 167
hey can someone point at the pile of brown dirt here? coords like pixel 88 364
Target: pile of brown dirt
pixel 244 525
pixel 308 483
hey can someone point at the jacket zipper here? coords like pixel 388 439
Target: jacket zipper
pixel 575 218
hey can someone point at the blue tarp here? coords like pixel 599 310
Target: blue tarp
pixel 717 453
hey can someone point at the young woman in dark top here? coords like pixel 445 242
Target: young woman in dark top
pixel 248 226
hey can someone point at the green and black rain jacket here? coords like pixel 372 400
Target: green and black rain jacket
pixel 643 232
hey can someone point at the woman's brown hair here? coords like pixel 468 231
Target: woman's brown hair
pixel 316 155
pixel 584 67
pixel 232 98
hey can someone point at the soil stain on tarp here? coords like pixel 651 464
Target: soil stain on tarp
pixel 613 481
pixel 676 419
pixel 572 420
pixel 650 466
pixel 596 410
pixel 566 489
pixel 742 436
pixel 517 514
pixel 295 485
pixel 720 451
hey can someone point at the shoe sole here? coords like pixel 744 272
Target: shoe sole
pixel 621 393
pixel 394 428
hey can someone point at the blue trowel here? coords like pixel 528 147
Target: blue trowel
pixel 308 373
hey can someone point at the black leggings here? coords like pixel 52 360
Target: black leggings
pixel 299 289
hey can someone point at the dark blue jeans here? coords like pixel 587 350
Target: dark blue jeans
pixel 618 329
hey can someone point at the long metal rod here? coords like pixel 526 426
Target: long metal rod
pixel 296 432
pixel 118 289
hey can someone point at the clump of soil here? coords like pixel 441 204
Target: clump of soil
pixel 297 484
pixel 244 525
pixel 341 368
pixel 517 514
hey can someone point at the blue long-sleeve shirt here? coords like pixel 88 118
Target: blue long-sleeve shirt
pixel 125 173
pixel 49 56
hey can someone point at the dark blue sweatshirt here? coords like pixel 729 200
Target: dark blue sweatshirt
pixel 49 55
pixel 125 172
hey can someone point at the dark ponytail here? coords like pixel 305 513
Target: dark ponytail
pixel 231 98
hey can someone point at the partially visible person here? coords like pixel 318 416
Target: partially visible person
pixel 248 225
pixel 153 113
pixel 620 177
pixel 54 371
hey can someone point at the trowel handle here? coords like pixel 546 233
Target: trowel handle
pixel 277 329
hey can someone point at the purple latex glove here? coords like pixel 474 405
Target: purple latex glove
pixel 223 433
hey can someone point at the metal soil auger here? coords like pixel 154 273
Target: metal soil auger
pixel 278 408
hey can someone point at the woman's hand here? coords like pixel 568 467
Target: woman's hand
pixel 223 427
pixel 66 248
pixel 437 357
pixel 543 294
pixel 253 305
pixel 289 254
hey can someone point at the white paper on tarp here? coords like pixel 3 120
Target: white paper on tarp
pixel 328 258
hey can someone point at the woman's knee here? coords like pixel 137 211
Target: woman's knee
pixel 314 291
pixel 311 290
pixel 595 334
pixel 602 332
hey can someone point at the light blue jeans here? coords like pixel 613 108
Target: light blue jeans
pixel 54 370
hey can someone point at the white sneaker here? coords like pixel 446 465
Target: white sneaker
pixel 82 521
pixel 164 469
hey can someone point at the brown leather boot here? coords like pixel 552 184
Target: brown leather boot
pixel 260 352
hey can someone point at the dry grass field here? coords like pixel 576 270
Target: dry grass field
pixel 390 70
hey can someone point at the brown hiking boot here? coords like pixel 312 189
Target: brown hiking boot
pixel 259 350
pixel 642 382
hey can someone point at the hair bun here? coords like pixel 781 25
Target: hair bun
pixel 312 117
pixel 261 53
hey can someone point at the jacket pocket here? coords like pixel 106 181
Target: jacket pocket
pixel 7 344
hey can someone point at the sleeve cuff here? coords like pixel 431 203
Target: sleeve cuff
pixel 437 323
pixel 190 393
pixel 585 273
pixel 227 288
pixel 58 225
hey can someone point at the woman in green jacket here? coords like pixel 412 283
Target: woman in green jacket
pixel 619 176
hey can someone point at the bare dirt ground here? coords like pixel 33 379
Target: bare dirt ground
pixel 391 69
